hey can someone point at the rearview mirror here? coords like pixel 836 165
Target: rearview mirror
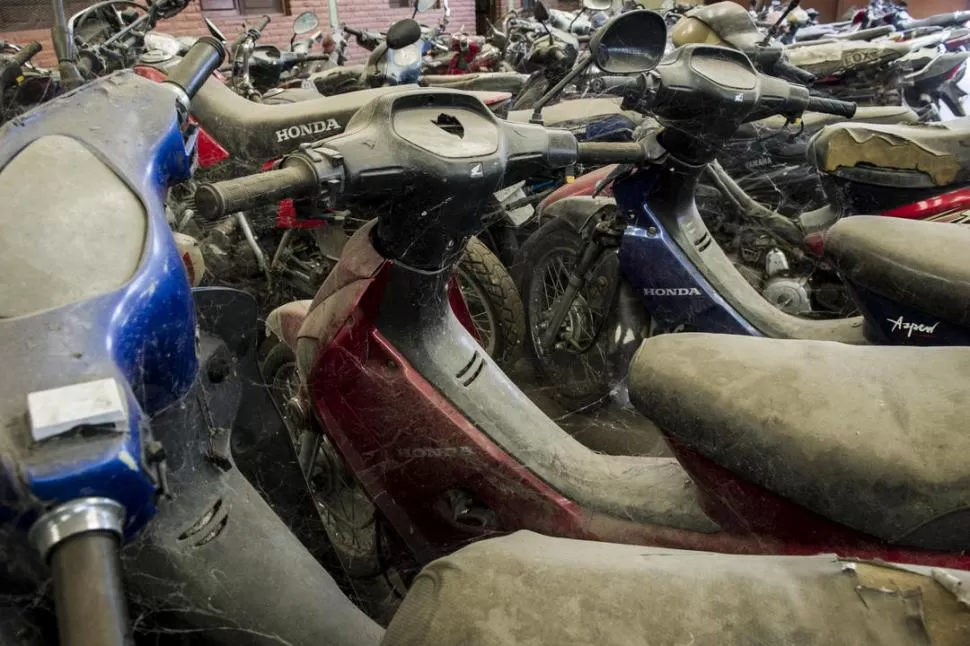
pixel 403 33
pixel 425 5
pixel 630 43
pixel 305 23
pixel 540 13
pixel 215 31
pixel 597 5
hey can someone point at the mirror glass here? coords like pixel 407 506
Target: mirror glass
pixel 403 33
pixel 215 31
pixel 598 5
pixel 540 13
pixel 305 23
pixel 630 43
pixel 425 5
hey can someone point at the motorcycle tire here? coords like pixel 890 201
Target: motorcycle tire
pixel 330 480
pixel 493 301
pixel 586 375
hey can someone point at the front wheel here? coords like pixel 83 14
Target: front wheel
pixel 601 331
pixel 493 302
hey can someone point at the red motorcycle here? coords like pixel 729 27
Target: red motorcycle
pixel 285 255
pixel 389 392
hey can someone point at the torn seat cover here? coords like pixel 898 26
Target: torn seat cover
pixel 531 589
pixel 895 155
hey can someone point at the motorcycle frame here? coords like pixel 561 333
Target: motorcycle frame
pixel 385 390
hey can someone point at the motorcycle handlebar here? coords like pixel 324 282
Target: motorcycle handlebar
pixel 263 24
pixel 590 152
pixel 23 57
pixel 204 58
pixel 353 32
pixel 789 72
pixel 618 85
pixel 219 199
pixel 88 594
pixel 831 106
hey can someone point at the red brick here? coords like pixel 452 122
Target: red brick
pixel 360 14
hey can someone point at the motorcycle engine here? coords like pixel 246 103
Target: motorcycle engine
pixel 787 293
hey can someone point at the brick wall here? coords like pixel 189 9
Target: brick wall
pixel 370 14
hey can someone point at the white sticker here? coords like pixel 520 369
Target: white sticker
pixel 56 411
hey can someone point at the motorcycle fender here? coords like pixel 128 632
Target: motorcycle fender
pixel 284 322
pixel 578 212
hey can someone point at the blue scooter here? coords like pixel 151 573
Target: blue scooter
pixel 600 276
pixel 127 397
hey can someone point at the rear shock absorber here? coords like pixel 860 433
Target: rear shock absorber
pixel 81 540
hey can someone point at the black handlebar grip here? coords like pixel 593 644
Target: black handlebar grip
pixel 263 23
pixel 618 85
pixel 792 73
pixel 219 199
pixel 831 106
pixel 352 32
pixel 23 57
pixel 204 58
pixel 610 153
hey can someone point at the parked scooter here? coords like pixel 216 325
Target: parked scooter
pixel 692 284
pixel 258 69
pixel 867 73
pixel 119 411
pixel 410 404
pixel 110 36
pixel 279 255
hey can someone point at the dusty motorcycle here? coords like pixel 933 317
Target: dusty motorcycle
pixel 412 405
pixel 277 254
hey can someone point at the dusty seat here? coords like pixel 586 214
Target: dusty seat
pixel 67 240
pixel 258 132
pixel 922 264
pixel 839 56
pixel 491 81
pixel 527 589
pixel 895 155
pixel 871 437
pixel 576 110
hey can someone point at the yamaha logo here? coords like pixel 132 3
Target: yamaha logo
pixel 307 129
pixel 672 291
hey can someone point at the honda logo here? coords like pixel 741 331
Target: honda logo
pixel 672 291
pixel 307 130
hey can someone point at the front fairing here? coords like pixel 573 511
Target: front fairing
pixel 141 334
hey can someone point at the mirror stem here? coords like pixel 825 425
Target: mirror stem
pixel 777 26
pixel 578 69
pixel 64 48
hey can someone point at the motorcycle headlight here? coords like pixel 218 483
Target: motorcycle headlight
pixel 407 56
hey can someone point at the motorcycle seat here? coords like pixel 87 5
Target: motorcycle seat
pixel 920 264
pixel 576 110
pixel 531 589
pixel 256 132
pixel 836 56
pixel 815 121
pixel 908 156
pixel 47 257
pixel 871 437
pixel 815 32
pixel 510 82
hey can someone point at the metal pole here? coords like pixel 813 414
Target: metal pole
pixel 334 18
